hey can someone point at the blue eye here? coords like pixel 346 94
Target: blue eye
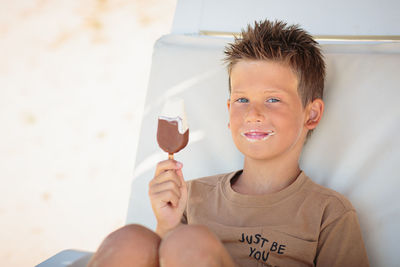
pixel 273 100
pixel 242 100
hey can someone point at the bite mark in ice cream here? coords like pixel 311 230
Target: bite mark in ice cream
pixel 172 132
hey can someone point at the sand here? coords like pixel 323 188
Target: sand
pixel 73 77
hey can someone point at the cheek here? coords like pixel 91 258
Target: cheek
pixel 233 124
pixel 235 116
pixel 293 126
pixel 286 121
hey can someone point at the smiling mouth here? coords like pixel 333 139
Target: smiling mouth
pixel 254 136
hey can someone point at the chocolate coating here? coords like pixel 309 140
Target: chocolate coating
pixel 169 138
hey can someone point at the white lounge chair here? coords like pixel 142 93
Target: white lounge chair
pixel 355 150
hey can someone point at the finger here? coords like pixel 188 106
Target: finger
pixel 169 175
pixel 182 180
pixel 167 165
pixel 168 185
pixel 164 198
pixel 180 174
pixel 183 190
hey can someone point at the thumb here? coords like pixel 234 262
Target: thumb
pixel 183 189
pixel 183 182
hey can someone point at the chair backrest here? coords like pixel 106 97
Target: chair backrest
pixel 323 18
pixel 355 150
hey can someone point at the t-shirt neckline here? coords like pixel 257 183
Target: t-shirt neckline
pixel 259 200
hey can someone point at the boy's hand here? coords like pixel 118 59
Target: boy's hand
pixel 168 195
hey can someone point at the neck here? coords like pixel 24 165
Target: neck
pixel 266 177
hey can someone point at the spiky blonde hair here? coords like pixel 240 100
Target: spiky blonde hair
pixel 290 45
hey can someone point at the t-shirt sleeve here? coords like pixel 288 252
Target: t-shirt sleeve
pixel 340 243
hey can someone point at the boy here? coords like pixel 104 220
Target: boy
pixel 270 213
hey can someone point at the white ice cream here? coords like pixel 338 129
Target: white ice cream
pixel 174 110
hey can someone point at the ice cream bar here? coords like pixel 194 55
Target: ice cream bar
pixel 173 131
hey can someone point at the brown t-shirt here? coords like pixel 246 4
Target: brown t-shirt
pixel 304 224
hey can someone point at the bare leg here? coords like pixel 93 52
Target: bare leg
pixel 194 246
pixel 131 245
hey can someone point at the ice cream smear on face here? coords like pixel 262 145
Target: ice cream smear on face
pixel 173 130
pixel 256 135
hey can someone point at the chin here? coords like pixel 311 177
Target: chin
pixel 260 157
pixel 256 154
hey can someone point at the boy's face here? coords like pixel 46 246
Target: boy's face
pixel 267 118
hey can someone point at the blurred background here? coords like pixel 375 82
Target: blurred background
pixel 73 77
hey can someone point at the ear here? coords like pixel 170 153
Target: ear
pixel 315 109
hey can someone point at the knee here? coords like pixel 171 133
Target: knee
pixel 131 245
pixel 190 244
pixel 134 238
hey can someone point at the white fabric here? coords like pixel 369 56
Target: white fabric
pixel 354 150
pixel 339 17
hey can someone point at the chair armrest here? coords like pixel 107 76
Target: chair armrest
pixel 68 257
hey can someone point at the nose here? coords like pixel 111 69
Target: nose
pixel 254 114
